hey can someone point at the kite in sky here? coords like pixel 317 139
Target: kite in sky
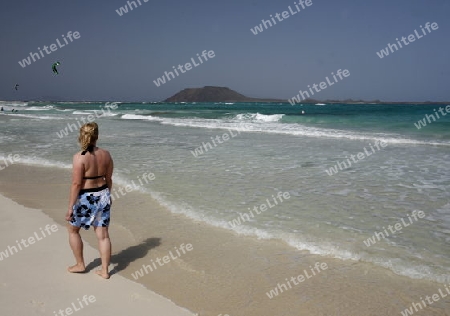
pixel 17 86
pixel 54 67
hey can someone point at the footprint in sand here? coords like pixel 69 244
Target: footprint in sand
pixel 38 305
pixel 135 296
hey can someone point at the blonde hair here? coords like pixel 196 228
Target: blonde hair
pixel 88 135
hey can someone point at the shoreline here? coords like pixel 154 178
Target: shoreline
pixel 225 272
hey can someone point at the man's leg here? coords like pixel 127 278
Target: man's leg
pixel 104 247
pixel 77 248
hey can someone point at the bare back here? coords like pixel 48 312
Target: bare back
pixel 97 164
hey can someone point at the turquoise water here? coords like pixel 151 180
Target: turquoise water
pixel 250 152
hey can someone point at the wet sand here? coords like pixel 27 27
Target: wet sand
pixel 223 273
pixel 33 252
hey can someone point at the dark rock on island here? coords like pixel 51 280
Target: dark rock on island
pixel 214 94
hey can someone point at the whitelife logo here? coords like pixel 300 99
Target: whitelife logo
pixel 53 48
pixel 147 268
pixel 188 66
pixel 303 95
pixel 281 17
pixel 11 250
pixel 411 38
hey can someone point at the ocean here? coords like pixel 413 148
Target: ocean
pixel 362 182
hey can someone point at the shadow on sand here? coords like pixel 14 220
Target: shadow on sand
pixel 122 259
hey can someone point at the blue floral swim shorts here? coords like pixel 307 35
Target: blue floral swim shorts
pixel 92 208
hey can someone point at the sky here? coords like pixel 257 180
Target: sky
pixel 118 57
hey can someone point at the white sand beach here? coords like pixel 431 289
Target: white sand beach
pixel 34 254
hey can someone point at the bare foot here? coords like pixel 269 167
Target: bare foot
pixel 104 275
pixel 78 268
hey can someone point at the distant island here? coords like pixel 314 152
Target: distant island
pixel 224 94
pixel 214 94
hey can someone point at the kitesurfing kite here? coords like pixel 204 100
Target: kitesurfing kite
pixel 17 86
pixel 54 67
